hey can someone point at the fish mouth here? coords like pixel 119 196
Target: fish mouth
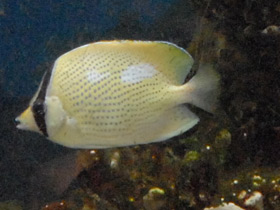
pixel 19 124
pixel 17 121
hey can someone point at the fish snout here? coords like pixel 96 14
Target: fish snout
pixel 26 121
pixel 19 123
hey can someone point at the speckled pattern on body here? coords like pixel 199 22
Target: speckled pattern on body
pixel 120 93
pixel 123 91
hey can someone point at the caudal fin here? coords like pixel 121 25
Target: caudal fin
pixel 204 88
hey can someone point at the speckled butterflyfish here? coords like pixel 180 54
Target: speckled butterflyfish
pixel 119 93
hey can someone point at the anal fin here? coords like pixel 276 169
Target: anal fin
pixel 174 122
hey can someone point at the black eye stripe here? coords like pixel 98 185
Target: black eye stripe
pixel 38 107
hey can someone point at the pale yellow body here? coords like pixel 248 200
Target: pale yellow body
pixel 120 93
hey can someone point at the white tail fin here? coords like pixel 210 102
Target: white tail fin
pixel 204 88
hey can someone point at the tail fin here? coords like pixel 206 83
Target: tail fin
pixel 205 88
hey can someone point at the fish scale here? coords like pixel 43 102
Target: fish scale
pixel 117 93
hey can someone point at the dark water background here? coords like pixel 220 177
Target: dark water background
pixel 34 33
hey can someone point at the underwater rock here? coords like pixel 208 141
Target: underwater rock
pixel 114 159
pixel 272 30
pixel 226 206
pixel 94 202
pixel 254 200
pixel 56 206
pixel 190 157
pixel 155 199
pixel 223 139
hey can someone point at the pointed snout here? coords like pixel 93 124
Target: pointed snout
pixel 25 121
pixel 21 123
pixel 17 121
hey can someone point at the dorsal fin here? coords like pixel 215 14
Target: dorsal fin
pixel 175 62
pixel 172 61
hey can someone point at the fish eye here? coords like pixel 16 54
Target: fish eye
pixel 38 107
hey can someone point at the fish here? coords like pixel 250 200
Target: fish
pixel 120 93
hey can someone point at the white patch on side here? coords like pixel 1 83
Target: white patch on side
pixel 72 122
pixel 137 73
pixel 94 76
pixel 55 115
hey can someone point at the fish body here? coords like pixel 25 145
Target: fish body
pixel 119 93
